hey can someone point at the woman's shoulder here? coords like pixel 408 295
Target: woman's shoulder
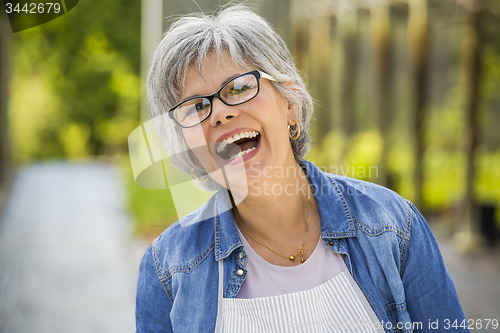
pixel 356 193
pixel 372 206
pixel 361 189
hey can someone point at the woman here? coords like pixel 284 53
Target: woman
pixel 281 246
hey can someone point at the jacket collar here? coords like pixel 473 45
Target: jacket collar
pixel 336 220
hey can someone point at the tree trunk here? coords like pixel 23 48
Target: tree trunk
pixel 319 38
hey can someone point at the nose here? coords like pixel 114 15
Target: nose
pixel 222 113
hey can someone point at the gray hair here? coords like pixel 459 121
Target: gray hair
pixel 251 42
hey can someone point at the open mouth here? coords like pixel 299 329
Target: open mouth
pixel 238 145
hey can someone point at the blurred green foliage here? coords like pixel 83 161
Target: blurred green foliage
pixel 153 210
pixel 75 83
pixel 75 93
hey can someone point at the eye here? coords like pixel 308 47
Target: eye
pixel 202 106
pixel 197 108
pixel 193 109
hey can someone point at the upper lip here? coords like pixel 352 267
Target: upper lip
pixel 230 134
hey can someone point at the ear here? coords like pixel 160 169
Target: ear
pixel 292 113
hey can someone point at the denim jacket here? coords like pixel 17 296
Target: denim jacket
pixel 388 246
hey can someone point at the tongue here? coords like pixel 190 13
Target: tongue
pixel 248 145
pixel 232 150
pixel 235 149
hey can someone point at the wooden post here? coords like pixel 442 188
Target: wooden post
pixel 319 49
pixel 468 229
pixel 417 46
pixel 347 19
pixel 301 41
pixel 151 32
pixel 380 28
pixel 278 12
pixel 5 37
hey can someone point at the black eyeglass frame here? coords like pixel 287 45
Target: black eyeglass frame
pixel 258 74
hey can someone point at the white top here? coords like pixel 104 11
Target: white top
pixel 265 279
pixel 337 305
pixel 313 297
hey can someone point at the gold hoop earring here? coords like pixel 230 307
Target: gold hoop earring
pixel 298 131
pixel 196 180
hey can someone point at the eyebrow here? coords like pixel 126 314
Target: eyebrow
pixel 225 82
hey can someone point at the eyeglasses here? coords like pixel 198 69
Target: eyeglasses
pixel 239 90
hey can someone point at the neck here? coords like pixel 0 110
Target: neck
pixel 276 208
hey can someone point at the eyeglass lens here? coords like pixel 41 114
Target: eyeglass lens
pixel 237 91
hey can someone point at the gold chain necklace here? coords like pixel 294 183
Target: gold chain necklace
pixel 292 257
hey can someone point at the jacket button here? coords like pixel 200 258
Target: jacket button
pixel 240 272
pixel 331 243
pixel 241 255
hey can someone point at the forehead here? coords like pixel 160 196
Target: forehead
pixel 212 73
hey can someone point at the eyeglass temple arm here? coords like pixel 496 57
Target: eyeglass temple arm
pixel 266 76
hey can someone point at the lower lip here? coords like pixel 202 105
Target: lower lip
pixel 245 158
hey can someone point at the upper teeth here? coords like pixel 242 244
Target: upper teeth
pixel 236 137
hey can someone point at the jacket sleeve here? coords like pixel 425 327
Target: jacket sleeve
pixel 430 294
pixel 153 305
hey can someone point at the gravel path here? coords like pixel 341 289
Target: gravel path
pixel 477 280
pixel 67 262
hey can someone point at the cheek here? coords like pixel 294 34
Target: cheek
pixel 275 110
pixel 195 138
pixel 274 120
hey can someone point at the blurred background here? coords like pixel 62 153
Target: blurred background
pixel 408 89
